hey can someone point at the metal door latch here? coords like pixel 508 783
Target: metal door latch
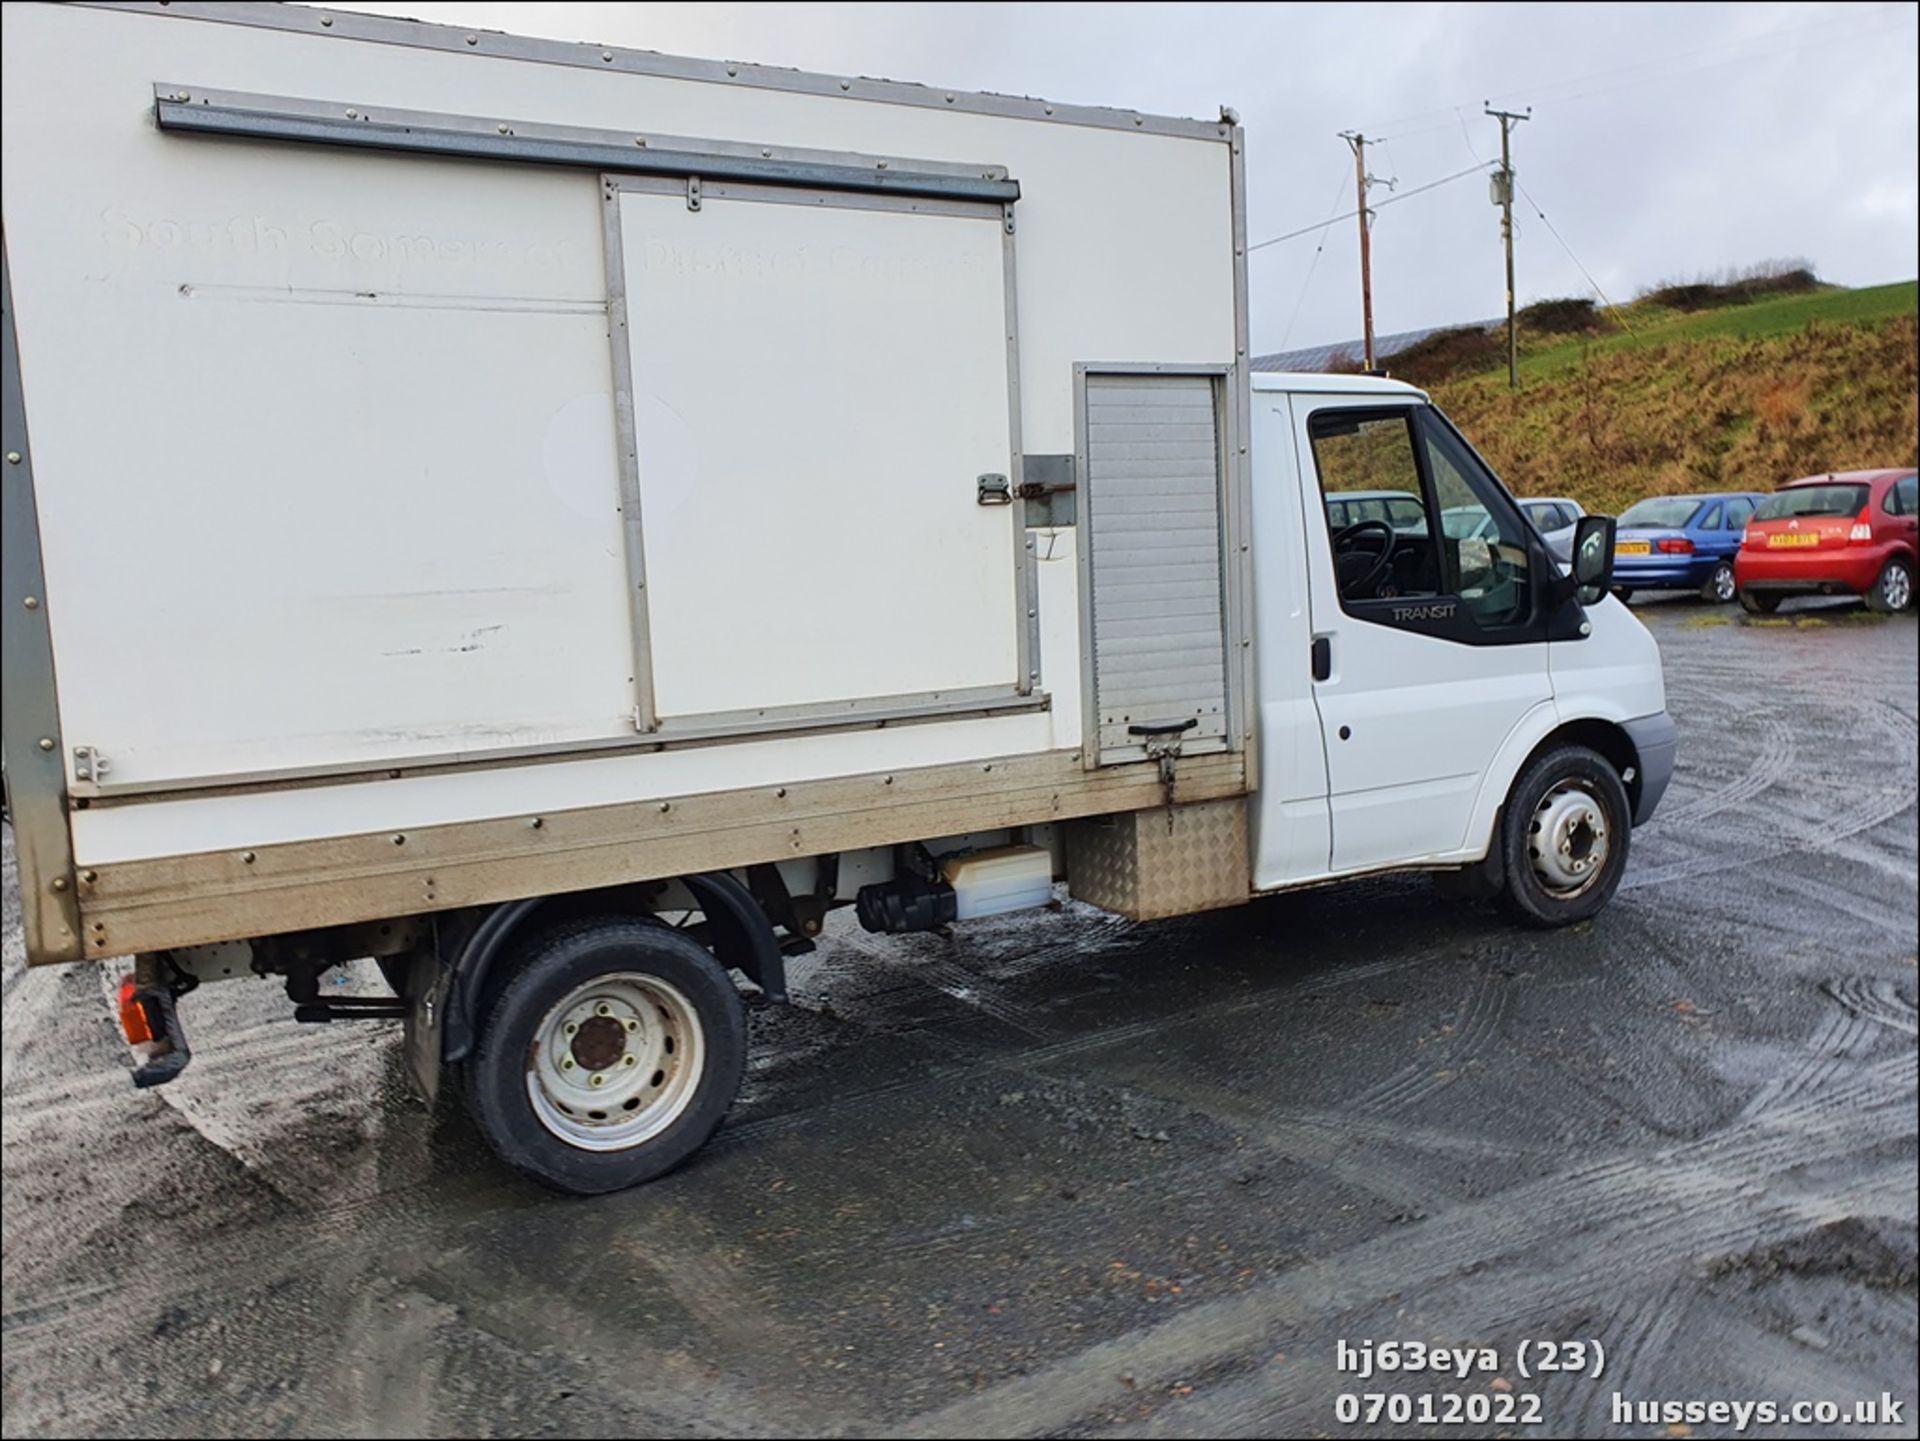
pixel 994 490
pixel 89 764
pixel 693 192
pixel 1161 742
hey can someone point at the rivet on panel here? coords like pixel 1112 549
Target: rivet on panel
pixel 326 21
pixel 607 55
pixel 733 70
pixel 399 840
pixel 353 115
pixel 59 883
pixel 90 877
pixel 665 806
pixel 781 794
pixel 537 822
pixel 846 84
pixel 473 40
pixel 247 858
pixel 13 457
pixel 46 743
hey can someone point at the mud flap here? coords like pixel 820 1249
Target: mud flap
pixel 428 983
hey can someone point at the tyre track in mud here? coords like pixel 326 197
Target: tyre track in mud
pixel 1778 753
pixel 304 1238
pixel 1479 1024
pixel 1881 803
pixel 1624 1215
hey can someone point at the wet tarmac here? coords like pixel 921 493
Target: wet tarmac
pixel 1063 1175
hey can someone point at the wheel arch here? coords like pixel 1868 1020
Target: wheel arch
pixel 740 934
pixel 1540 732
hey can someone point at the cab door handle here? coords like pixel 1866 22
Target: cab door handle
pixel 1323 657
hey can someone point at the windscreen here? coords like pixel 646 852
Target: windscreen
pixel 1813 500
pixel 1671 512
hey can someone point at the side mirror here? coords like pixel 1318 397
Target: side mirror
pixel 1593 557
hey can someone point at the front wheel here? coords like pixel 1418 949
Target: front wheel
pixel 1623 593
pixel 1893 591
pixel 1564 834
pixel 1720 585
pixel 1755 602
pixel 610 1056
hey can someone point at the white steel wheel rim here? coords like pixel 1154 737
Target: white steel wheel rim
pixel 1568 841
pixel 615 1062
pixel 1723 586
pixel 1896 587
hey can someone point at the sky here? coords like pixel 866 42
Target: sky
pixel 1667 141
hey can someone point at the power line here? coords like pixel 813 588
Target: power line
pixel 1312 265
pixel 1391 200
pixel 1612 309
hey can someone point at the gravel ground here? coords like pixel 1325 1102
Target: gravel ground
pixel 1066 1175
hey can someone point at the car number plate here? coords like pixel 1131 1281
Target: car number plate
pixel 1633 547
pixel 1781 542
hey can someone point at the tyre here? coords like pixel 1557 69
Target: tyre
pixel 394 970
pixel 609 1056
pixel 1893 591
pixel 1622 593
pixel 1720 586
pixel 1755 602
pixel 1565 834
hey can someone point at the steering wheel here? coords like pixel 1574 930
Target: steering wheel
pixel 1344 544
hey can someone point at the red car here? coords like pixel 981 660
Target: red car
pixel 1851 533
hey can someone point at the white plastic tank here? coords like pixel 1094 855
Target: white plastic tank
pixel 1005 878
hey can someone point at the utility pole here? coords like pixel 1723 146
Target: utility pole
pixel 1358 142
pixel 1503 195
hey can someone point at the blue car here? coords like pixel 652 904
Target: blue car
pixel 1681 542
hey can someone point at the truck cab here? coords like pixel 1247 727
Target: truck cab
pixel 1409 675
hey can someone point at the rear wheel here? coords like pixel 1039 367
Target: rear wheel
pixel 1893 591
pixel 1755 602
pixel 609 1057
pixel 1565 834
pixel 1720 586
pixel 1622 593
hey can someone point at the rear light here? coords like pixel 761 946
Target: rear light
pixel 133 1016
pixel 1679 545
pixel 1862 531
pixel 1752 537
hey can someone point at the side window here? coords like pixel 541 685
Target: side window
pixel 1909 490
pixel 1488 571
pixel 1711 520
pixel 1890 502
pixel 1433 522
pixel 1371 451
pixel 1739 512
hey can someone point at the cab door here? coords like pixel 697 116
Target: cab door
pixel 1429 637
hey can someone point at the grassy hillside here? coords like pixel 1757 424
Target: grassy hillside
pixel 1736 398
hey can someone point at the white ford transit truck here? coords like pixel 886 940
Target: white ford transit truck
pixel 559 520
